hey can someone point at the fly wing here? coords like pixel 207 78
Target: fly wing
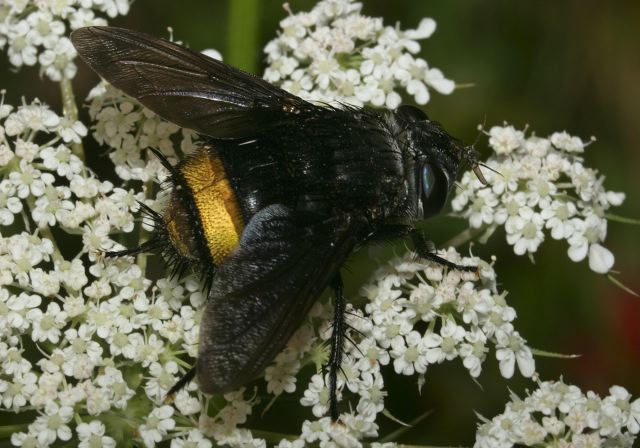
pixel 183 86
pixel 264 290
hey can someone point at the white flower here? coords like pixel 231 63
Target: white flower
pixel 195 439
pixel 316 395
pixel 45 30
pixel 443 346
pixel 52 206
pixel 481 209
pixel 30 181
pixel 281 377
pixel 525 231
pixel 505 139
pixel 474 351
pixel 187 404
pixel 10 205
pixel 600 259
pixel 316 431
pixel 156 425
pixel 371 394
pixel 562 140
pixel 47 326
pixel 511 348
pixel 34 117
pixel 23 439
pixel 92 434
pixel 585 240
pixel 558 218
pixel 21 50
pixel 57 62
pixel 409 354
pixel 61 160
pixel 149 351
pixel 53 424
pixel 163 377
pixel 114 8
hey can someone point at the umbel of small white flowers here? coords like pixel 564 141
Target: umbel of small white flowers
pixel 88 344
pixel 333 53
pixel 558 414
pixel 35 32
pixel 539 186
pixel 127 319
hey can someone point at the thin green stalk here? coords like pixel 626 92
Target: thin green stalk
pixel 70 110
pixel 622 219
pixel 621 285
pixel 395 435
pixel 272 437
pixel 7 431
pixel 243 50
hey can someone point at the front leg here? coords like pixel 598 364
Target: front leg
pixel 424 250
pixel 421 246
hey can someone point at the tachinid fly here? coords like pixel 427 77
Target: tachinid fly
pixel 282 192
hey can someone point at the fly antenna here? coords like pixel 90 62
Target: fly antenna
pixel 471 155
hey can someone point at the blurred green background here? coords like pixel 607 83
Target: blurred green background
pixel 570 65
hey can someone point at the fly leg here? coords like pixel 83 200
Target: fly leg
pixel 425 250
pixel 337 344
pixel 182 382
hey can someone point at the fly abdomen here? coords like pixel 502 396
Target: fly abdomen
pixel 215 202
pixel 202 222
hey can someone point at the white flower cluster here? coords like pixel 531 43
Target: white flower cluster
pixel 123 124
pixel 98 321
pixel 561 415
pixel 35 32
pixel 540 184
pixel 89 343
pixel 333 53
pixel 417 314
pixel 425 314
pixel 73 325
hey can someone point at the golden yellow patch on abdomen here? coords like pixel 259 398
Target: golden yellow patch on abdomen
pixel 215 201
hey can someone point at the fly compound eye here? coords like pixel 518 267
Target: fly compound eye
pixel 428 181
pixel 435 188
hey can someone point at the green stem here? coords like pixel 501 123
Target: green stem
pixel 7 431
pixel 70 111
pixel 622 219
pixel 242 34
pixel 621 285
pixel 272 437
pixel 181 362
pixel 395 435
pixel 548 354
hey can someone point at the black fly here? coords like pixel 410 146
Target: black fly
pixel 269 209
